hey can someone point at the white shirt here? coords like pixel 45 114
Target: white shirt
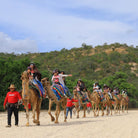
pixel 61 78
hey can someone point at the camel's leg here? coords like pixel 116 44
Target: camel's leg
pixel 84 109
pixel 27 112
pixel 123 108
pixel 94 110
pixel 127 108
pixel 102 107
pixel 38 112
pixel 78 112
pixel 57 113
pixel 115 108
pixel 65 119
pixel 107 109
pixel 93 105
pixel 33 110
pixel 98 109
pixel 119 108
pixel 49 110
pixel 111 108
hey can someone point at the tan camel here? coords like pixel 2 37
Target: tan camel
pixel 116 103
pixel 53 99
pixel 30 95
pixel 124 104
pixel 108 103
pixel 96 102
pixel 79 103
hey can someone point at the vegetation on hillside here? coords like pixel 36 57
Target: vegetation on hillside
pixel 115 65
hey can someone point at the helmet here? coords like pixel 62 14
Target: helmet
pixel 29 68
pixel 105 86
pixel 55 71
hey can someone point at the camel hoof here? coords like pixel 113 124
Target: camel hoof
pixel 84 116
pixel 38 124
pixel 77 116
pixel 56 122
pixel 34 121
pixel 65 120
pixel 52 119
pixel 27 124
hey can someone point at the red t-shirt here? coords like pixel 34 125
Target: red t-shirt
pixel 89 104
pixel 12 97
pixel 69 102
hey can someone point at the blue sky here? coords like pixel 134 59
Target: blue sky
pixel 48 25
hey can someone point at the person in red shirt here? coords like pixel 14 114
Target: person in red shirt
pixel 89 106
pixel 69 106
pixel 11 102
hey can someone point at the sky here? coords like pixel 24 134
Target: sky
pixel 49 25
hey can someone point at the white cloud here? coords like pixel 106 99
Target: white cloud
pixel 17 46
pixel 46 25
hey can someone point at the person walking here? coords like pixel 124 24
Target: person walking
pixel 69 106
pixel 11 103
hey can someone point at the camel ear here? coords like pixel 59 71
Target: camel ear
pixel 43 79
pixel 47 79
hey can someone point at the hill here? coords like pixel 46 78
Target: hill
pixel 115 64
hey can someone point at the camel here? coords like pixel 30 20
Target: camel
pixel 53 99
pixel 30 95
pixel 124 104
pixel 117 102
pixel 79 103
pixel 96 101
pixel 108 103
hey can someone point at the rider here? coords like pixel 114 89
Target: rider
pixel 124 93
pixel 96 87
pixel 81 88
pixel 107 90
pixel 57 79
pixel 116 91
pixel 36 79
pixel 62 76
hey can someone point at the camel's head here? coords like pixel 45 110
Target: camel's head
pixel 25 76
pixel 45 82
pixel 75 91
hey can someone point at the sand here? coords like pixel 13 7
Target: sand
pixel 124 125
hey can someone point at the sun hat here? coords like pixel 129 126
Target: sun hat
pixel 12 86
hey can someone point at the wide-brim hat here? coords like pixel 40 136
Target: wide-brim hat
pixel 105 86
pixel 12 86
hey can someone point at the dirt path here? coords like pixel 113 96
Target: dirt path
pixel 116 126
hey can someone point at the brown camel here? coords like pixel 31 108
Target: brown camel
pixel 53 99
pixel 124 103
pixel 30 95
pixel 108 103
pixel 117 102
pixel 96 101
pixel 79 103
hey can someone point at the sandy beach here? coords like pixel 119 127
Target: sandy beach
pixel 124 125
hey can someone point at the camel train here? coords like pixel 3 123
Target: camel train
pixel 30 95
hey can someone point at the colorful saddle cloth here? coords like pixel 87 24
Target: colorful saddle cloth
pixel 84 97
pixel 31 86
pixel 58 91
